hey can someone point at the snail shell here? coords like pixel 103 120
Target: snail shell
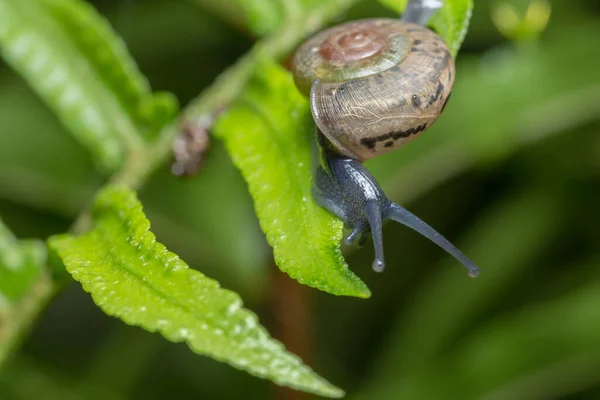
pixel 374 84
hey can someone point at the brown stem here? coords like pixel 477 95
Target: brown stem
pixel 290 305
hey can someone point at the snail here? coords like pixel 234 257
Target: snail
pixel 373 85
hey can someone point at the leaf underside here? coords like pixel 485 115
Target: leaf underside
pixel 133 277
pixel 268 133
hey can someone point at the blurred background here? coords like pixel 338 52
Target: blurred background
pixel 510 174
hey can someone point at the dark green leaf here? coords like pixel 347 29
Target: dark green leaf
pixel 133 277
pixel 268 133
pixel 75 62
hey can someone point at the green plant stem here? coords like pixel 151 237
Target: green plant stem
pixel 291 307
pixel 15 321
pixel 227 86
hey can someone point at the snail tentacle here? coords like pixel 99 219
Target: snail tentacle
pixel 405 217
pixel 419 11
pixel 373 214
pixel 352 237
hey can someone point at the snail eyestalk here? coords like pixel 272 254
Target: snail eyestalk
pixel 405 217
pixel 419 11
pixel 373 214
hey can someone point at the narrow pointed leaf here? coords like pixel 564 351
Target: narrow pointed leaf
pixel 450 22
pixel 268 133
pixel 133 277
pixel 81 69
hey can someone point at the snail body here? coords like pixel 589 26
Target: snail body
pixel 374 84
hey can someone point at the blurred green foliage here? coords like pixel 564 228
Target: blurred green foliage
pixel 510 173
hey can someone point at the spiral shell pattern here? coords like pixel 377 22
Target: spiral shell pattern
pixel 374 84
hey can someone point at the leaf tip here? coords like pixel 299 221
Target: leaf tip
pixel 334 392
pixel 364 293
pixel 359 290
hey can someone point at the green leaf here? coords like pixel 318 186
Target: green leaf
pixel 198 224
pixel 21 262
pixel 80 67
pixel 268 132
pixel 451 22
pixel 133 277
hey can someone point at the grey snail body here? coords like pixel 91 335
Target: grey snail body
pixel 374 84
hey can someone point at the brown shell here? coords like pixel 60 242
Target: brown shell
pixel 375 84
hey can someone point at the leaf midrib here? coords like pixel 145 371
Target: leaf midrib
pixel 276 134
pixel 119 261
pixel 228 355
